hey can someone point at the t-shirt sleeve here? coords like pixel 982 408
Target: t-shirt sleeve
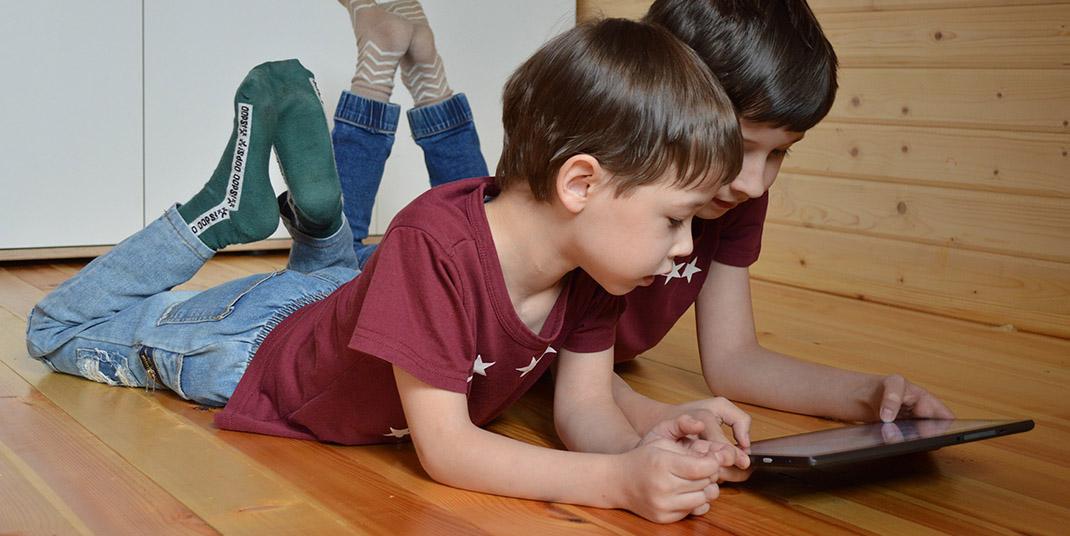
pixel 594 328
pixel 741 233
pixel 413 314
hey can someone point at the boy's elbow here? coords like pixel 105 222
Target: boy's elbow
pixel 440 460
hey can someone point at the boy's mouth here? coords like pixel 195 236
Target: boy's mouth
pixel 725 205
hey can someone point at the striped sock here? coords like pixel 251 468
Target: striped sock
pixel 422 70
pixel 382 39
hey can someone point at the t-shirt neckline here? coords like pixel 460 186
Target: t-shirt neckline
pixel 495 278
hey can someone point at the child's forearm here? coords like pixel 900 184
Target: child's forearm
pixel 756 375
pixel 490 463
pixel 642 412
pixel 600 428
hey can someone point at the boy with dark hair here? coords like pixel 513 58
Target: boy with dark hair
pixel 477 287
pixel 779 70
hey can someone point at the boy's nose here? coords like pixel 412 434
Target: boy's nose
pixel 749 183
pixel 684 245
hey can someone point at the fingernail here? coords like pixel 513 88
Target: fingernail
pixel 887 415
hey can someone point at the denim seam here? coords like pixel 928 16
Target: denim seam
pixel 182 238
pixel 364 127
pixel 281 314
pixel 439 128
pixel 164 320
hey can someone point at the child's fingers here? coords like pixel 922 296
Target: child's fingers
pixel 892 399
pixel 733 474
pixel 739 420
pixel 701 510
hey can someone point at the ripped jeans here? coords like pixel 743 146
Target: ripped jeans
pixel 118 322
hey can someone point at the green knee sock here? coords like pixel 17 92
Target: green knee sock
pixel 237 205
pixel 303 146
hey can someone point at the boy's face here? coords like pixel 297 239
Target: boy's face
pixel 764 149
pixel 630 239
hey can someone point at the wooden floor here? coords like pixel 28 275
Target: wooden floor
pixel 81 458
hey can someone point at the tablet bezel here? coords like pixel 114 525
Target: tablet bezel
pixel 997 427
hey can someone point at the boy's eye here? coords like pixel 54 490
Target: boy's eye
pixel 673 222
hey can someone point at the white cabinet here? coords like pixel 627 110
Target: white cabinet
pixel 70 122
pixel 112 111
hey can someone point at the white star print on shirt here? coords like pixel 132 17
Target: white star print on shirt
pixel 535 361
pixel 480 367
pixel 691 269
pixel 673 274
pixel 394 432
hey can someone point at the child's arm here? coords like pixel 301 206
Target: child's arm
pixel 736 366
pixel 651 480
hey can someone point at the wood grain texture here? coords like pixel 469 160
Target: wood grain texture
pixel 828 6
pixel 984 98
pixel 1007 162
pixel 1014 37
pixel 1013 484
pixel 86 484
pixel 1034 227
pixel 1029 295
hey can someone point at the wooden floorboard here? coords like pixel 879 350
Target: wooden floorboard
pixel 72 451
pixel 87 486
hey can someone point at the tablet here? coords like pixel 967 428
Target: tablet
pixel 864 442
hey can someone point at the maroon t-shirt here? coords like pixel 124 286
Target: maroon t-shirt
pixel 432 300
pixel 734 239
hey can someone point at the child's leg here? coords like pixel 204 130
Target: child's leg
pixel 446 133
pixel 382 39
pixel 116 321
pixel 363 136
pixel 229 209
pixel 441 121
pixel 422 70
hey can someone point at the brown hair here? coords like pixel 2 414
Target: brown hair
pixel 627 93
pixel 771 55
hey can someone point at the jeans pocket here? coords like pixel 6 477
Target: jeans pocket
pixel 213 304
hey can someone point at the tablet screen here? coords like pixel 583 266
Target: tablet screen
pixel 876 435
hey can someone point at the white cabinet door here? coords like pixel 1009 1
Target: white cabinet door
pixel 70 122
pixel 198 51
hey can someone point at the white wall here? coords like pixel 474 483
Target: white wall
pixel 72 131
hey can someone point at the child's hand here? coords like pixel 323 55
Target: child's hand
pixel 713 412
pixel 901 399
pixel 664 481
pixel 685 432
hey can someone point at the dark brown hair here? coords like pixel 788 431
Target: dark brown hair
pixel 626 93
pixel 771 55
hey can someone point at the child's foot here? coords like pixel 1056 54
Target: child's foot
pixel 237 205
pixel 303 146
pixel 422 70
pixel 382 39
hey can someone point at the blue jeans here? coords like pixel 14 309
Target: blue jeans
pixel 118 322
pixel 363 136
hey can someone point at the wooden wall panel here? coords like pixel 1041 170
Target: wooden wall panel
pixel 1010 162
pixel 592 9
pixel 829 6
pixel 1026 226
pixel 941 179
pixel 1020 99
pixel 1000 37
pixel 1030 295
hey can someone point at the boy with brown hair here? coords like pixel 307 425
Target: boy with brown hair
pixel 779 70
pixel 616 135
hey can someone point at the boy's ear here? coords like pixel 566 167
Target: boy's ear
pixel 577 179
